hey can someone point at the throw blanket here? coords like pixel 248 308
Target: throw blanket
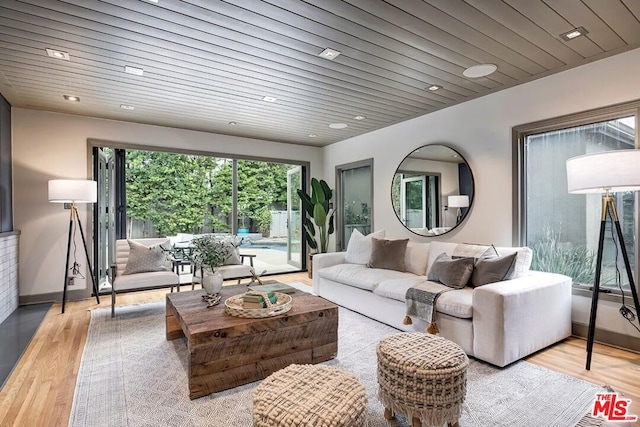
pixel 421 300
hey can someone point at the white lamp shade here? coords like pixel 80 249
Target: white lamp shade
pixel 458 201
pixel 73 191
pixel 611 170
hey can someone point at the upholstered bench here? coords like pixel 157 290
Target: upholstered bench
pixel 309 395
pixel 422 376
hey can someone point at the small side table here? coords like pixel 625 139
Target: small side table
pixel 422 376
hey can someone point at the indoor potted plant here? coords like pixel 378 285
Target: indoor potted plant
pixel 209 253
pixel 318 223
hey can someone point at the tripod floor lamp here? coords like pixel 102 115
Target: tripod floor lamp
pixel 610 171
pixel 73 191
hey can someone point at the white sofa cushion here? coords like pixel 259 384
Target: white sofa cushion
pixel 438 248
pixel 360 276
pixel 397 288
pixel 145 280
pixel 416 257
pixel 360 247
pixel 523 260
pixel 456 303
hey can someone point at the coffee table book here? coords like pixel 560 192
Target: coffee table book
pixel 227 351
pixel 273 287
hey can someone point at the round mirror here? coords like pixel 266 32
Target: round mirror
pixel 432 190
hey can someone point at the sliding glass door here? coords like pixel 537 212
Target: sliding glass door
pixel 178 196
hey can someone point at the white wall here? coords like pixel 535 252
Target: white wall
pixel 481 131
pixel 51 145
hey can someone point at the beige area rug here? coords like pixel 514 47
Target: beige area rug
pixel 131 376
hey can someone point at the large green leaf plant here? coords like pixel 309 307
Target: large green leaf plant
pixel 318 223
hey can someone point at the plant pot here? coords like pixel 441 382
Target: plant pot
pixel 211 282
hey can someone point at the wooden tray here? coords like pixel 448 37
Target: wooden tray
pixel 233 306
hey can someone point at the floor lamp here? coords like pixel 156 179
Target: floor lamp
pixel 73 191
pixel 610 171
pixel 461 201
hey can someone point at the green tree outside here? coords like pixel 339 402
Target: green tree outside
pixel 180 193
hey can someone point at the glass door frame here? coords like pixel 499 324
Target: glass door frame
pixel 403 198
pixel 341 240
pixel 290 201
pixel 119 216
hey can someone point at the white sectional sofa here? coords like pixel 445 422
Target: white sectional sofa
pixel 499 322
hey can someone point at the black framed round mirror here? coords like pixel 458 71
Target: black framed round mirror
pixel 432 190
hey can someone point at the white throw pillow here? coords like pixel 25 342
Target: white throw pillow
pixel 416 257
pixel 360 247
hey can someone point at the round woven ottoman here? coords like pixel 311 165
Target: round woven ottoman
pixel 422 376
pixel 309 395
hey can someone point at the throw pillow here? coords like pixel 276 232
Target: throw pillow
pixel 359 247
pixel 491 270
pixel 454 273
pixel 416 257
pixel 523 260
pixel 231 243
pixel 388 254
pixel 143 259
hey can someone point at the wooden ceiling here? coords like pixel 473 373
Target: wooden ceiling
pixel 209 63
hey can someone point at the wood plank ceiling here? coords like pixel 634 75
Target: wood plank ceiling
pixel 208 63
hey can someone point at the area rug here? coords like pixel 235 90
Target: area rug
pixel 131 376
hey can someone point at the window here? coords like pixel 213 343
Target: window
pixel 562 228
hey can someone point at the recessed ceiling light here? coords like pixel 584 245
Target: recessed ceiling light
pixel 58 54
pixel 71 98
pixel 433 88
pixel 480 70
pixel 312 135
pixel 127 107
pixel 338 125
pixel 152 1
pixel 269 98
pixel 359 118
pixel 233 123
pixel 329 53
pixel 576 32
pixel 133 70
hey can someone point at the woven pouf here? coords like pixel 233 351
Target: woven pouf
pixel 422 376
pixel 309 395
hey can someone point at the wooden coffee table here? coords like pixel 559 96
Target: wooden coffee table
pixel 227 351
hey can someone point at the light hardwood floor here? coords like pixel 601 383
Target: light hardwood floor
pixel 40 390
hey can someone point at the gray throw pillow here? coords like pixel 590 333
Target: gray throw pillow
pixel 493 270
pixel 454 273
pixel 388 254
pixel 143 259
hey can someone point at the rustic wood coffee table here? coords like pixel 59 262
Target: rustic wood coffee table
pixel 227 351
